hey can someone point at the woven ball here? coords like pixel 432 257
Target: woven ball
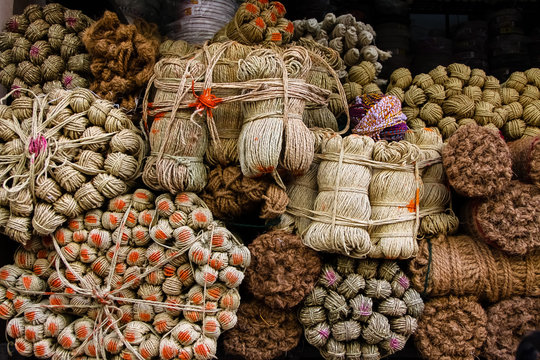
pixel 275 276
pixel 477 161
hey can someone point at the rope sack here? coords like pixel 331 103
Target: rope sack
pixel 262 333
pixel 275 276
pixel 451 328
pixel 477 161
pixel 360 308
pixel 41 50
pixel 123 58
pixel 526 159
pixel 143 278
pixel 508 322
pixel 507 221
pixel 353 40
pixel 62 154
pixel 476 270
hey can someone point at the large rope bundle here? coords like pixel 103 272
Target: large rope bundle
pixel 142 278
pixel 62 154
pixel 41 49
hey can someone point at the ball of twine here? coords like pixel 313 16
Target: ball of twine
pixel 460 71
pixel 363 73
pixel 439 75
pixel 448 126
pixel 459 106
pixel 414 96
pixel 262 333
pixel 477 161
pixel 489 274
pixel 529 94
pixel 21 49
pixel 400 78
pixel 514 129
pixel 514 110
pixel 431 113
pixel 531 113
pixel 478 77
pixel 517 80
pixel 275 276
pixel 474 92
pixel 423 81
pixel 507 220
pixel 508 322
pixel 492 83
pixel 451 328
pixel 435 93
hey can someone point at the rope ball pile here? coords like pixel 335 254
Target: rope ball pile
pixel 41 49
pixel 144 277
pixel 360 309
pixel 63 153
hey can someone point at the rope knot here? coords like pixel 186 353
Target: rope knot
pixel 104 298
pixel 206 101
pixel 37 145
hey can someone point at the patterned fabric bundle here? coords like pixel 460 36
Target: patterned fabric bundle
pixel 144 278
pixel 378 116
pixel 62 154
pixel 41 50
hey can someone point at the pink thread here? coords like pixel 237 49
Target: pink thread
pixel 67 80
pixel 37 145
pixel 394 344
pixel 71 21
pixel 34 51
pixel 331 277
pixel 404 282
pixel 17 91
pixel 365 310
pixel 324 333
pixel 12 25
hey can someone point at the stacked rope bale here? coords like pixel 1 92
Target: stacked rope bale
pixel 360 308
pixel 63 153
pixel 279 282
pixel 123 58
pixel 258 22
pixel 41 49
pixel 353 40
pixel 158 276
pixel 476 269
pixel 436 195
pixel 522 88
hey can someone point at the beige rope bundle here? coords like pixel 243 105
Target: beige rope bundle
pixel 435 193
pixel 356 312
pixel 173 293
pixel 60 159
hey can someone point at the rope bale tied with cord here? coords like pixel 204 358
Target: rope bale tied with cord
pixel 145 277
pixel 63 153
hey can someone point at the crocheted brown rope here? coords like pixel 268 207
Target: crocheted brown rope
pixel 123 58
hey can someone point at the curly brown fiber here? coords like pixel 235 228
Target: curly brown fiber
pixel 231 195
pixel 123 58
pixel 526 159
pixel 262 333
pixel 508 221
pixel 276 276
pixel 451 328
pixel 464 266
pixel 508 321
pixel 477 161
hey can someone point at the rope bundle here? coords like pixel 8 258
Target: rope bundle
pixel 41 49
pixel 523 105
pixel 436 195
pixel 360 308
pixel 123 58
pixel 63 153
pixel 508 220
pixel 476 269
pixel 257 22
pixel 477 161
pixel 143 278
pixel 526 159
pixel 451 328
pixel 352 39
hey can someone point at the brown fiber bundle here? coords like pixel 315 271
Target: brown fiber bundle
pixel 477 161
pixel 262 333
pixel 475 269
pixel 231 195
pixel 508 321
pixel 451 328
pixel 275 275
pixel 508 220
pixel 526 159
pixel 123 58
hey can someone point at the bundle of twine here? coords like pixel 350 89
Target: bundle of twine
pixel 352 39
pixel 526 159
pixel 262 333
pixel 63 153
pixel 476 269
pixel 508 220
pixel 141 278
pixel 231 195
pixel 275 276
pixel 508 322
pixel 477 161
pixel 123 58
pixel 41 49
pixel 451 328
pixel 435 195
pixel 360 308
